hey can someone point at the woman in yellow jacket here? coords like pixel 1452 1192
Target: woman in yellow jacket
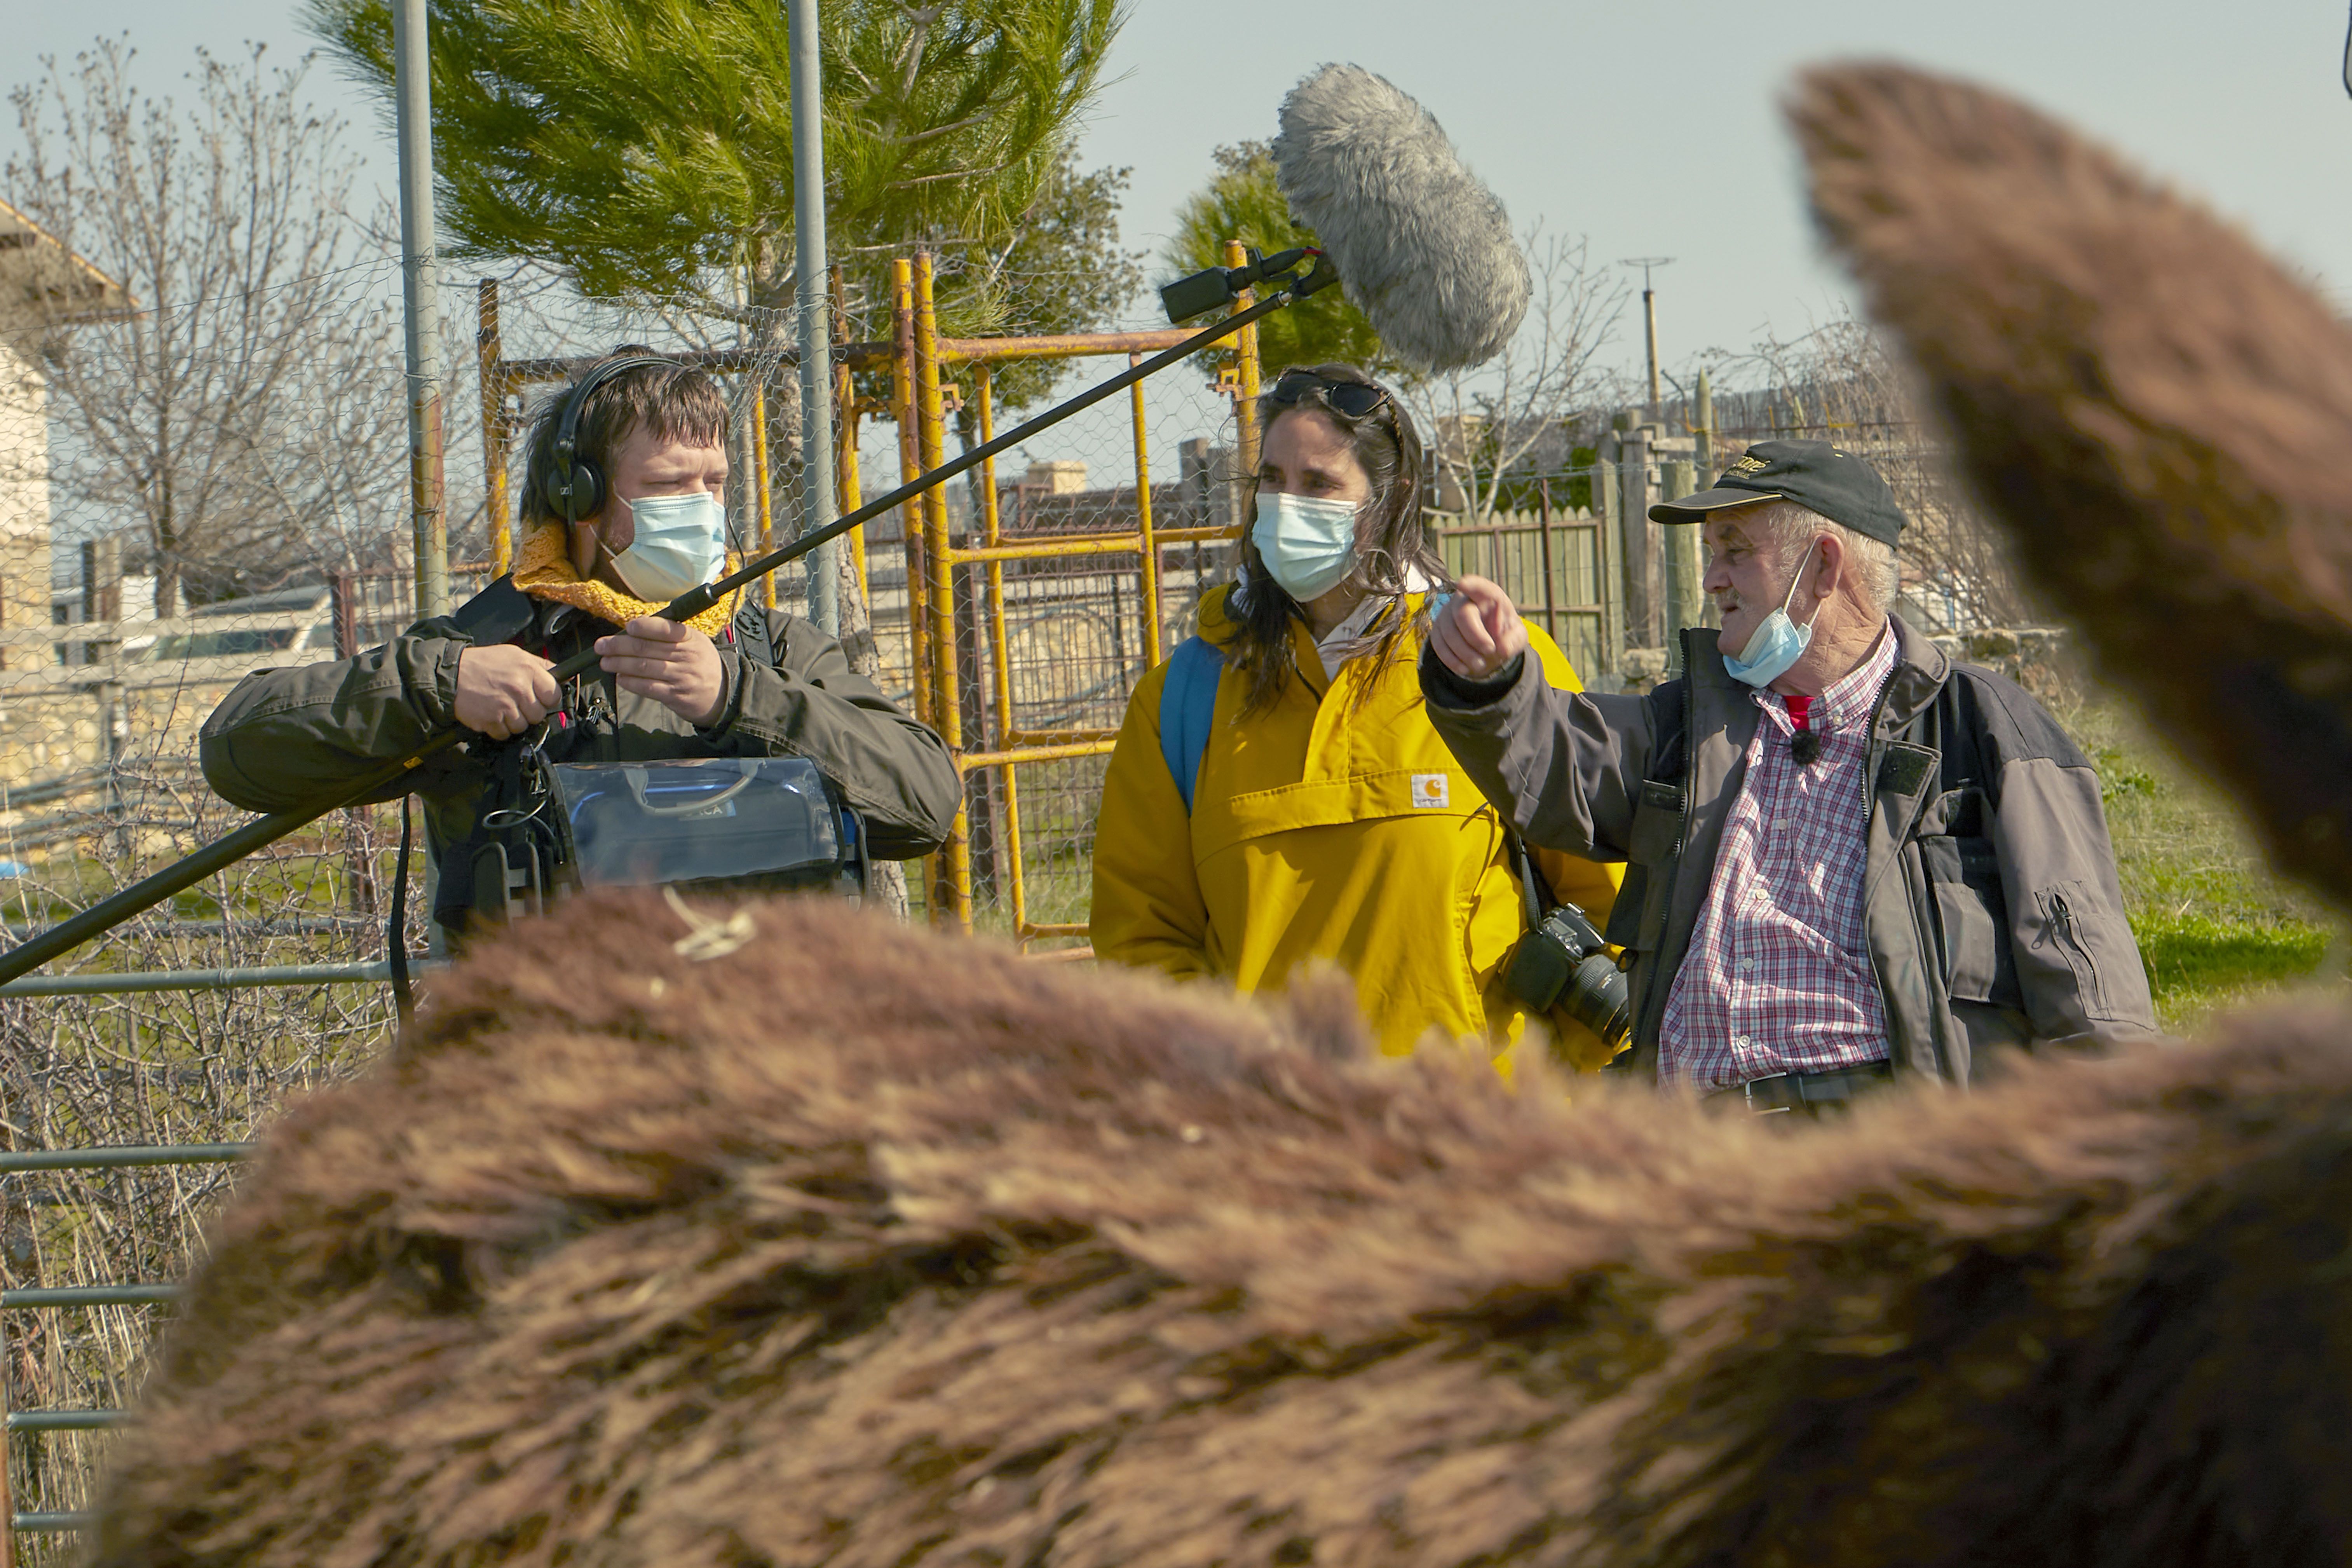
pixel 1322 816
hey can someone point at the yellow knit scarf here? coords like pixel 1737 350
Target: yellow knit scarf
pixel 543 570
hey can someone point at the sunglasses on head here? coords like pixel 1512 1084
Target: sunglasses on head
pixel 1355 399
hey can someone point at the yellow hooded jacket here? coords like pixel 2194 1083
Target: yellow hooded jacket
pixel 1336 825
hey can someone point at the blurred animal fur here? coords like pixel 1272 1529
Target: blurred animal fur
pixel 2160 414
pixel 864 1245
pixel 861 1245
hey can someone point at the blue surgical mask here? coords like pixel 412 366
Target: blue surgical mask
pixel 681 543
pixel 1778 643
pixel 1309 544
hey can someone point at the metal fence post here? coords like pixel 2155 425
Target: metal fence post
pixel 413 107
pixel 1014 874
pixel 759 474
pixel 803 46
pixel 910 464
pixel 1608 579
pixel 850 494
pixel 1245 431
pixel 955 857
pixel 1153 649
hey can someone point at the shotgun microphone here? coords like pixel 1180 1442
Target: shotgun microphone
pixel 1421 244
pixel 1422 247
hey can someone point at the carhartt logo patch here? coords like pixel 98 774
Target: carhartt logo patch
pixel 1431 792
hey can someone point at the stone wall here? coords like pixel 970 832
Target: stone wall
pixel 2045 660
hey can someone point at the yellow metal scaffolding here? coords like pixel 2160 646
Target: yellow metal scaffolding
pixel 950 881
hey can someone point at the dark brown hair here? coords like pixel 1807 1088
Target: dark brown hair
pixel 1392 535
pixel 677 402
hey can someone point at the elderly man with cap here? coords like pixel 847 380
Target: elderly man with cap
pixel 1850 860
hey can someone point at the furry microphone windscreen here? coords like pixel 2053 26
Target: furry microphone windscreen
pixel 1423 247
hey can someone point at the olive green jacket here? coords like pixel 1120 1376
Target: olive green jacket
pixel 292 738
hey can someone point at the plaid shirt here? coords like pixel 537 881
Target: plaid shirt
pixel 1776 979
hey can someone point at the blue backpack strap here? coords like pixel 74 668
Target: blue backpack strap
pixel 1187 705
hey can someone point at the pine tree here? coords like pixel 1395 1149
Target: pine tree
pixel 644 147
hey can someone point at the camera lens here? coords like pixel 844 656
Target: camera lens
pixel 1596 998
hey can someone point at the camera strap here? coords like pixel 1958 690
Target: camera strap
pixel 1536 892
pixel 396 946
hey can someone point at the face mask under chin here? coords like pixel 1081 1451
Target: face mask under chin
pixel 1777 643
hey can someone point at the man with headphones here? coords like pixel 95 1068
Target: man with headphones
pixel 622 510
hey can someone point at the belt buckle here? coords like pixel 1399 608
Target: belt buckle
pixel 1747 1096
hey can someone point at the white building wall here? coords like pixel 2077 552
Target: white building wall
pixel 24 499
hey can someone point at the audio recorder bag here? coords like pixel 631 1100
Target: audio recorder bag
pixel 738 824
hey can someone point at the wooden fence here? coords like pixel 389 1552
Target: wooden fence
pixel 1560 568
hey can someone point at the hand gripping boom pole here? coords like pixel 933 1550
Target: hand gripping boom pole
pixel 149 890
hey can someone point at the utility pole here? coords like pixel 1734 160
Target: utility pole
pixel 413 113
pixel 1703 432
pixel 412 89
pixel 815 303
pixel 1650 318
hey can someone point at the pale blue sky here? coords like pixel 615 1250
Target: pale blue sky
pixel 1635 121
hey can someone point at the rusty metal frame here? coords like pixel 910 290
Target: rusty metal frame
pixel 848 491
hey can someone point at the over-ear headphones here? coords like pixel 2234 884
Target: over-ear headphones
pixel 574 486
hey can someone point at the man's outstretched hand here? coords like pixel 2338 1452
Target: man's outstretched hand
pixel 675 666
pixel 1479 632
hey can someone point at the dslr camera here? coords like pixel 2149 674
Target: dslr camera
pixel 1563 962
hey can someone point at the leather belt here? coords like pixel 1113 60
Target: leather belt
pixel 1810 1092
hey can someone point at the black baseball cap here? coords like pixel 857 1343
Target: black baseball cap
pixel 1814 474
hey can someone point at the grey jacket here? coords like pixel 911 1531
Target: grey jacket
pixel 284 739
pixel 1991 907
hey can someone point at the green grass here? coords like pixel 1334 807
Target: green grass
pixel 2191 955
pixel 2216 927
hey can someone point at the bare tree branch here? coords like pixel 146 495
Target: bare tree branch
pixel 1483 423
pixel 245 408
pixel 1839 382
